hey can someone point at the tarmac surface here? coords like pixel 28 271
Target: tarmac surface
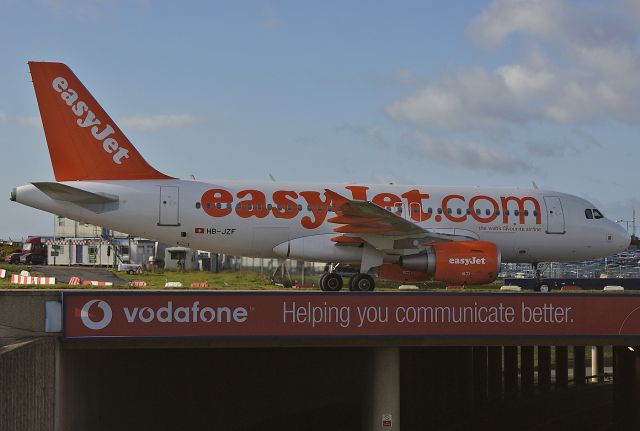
pixel 64 273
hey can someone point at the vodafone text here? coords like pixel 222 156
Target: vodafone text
pixel 186 314
pixel 287 204
pixel 109 144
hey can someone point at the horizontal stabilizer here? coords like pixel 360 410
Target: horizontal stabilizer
pixel 62 192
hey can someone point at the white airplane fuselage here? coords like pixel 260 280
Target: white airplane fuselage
pixel 527 225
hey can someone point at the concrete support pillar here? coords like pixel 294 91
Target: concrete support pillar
pixel 494 373
pixel 480 375
pixel 597 363
pixel 562 367
pixel 544 368
pixel 384 401
pixel 579 371
pixel 527 372
pixel 510 371
pixel 626 388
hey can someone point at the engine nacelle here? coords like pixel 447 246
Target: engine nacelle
pixel 462 262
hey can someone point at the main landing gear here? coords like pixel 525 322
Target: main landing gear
pixel 332 282
pixel 542 285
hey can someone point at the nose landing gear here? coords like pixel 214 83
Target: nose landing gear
pixel 542 285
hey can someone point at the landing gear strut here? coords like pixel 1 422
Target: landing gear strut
pixel 541 285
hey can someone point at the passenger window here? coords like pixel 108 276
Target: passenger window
pixel 439 210
pixel 498 212
pixel 535 213
pixel 526 213
pixel 459 211
pixel 468 211
pixel 449 210
pixel 597 214
pixel 197 205
pixel 208 205
pixel 430 210
pixel 269 206
pixel 506 212
pixel 478 211
pixel 218 205
pixel 299 207
pixel 516 212
pixel 330 208
pixel 228 205
pixel 279 207
pixel 308 207
pixel 588 213
pixel 487 211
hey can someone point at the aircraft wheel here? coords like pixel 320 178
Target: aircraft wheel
pixel 362 283
pixel 543 287
pixel 331 282
pixel 321 282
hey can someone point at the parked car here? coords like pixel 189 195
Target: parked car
pixel 12 258
pixel 32 259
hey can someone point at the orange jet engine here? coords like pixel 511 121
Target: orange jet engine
pixel 463 262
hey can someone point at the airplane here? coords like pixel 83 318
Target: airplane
pixel 458 235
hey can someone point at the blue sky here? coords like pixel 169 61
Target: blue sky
pixel 466 93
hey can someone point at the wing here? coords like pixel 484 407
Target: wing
pixel 363 221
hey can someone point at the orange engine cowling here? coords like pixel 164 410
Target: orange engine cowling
pixel 463 262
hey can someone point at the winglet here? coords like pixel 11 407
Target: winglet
pixel 84 142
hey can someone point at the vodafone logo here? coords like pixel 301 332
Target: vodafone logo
pixel 100 324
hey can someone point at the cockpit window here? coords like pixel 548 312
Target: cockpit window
pixel 588 213
pixel 597 214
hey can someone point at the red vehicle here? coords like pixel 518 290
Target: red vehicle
pixel 13 257
pixel 34 251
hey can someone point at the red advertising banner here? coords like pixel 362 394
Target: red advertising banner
pixel 267 314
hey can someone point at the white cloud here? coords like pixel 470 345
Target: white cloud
pixel 579 66
pixel 154 122
pixel 471 156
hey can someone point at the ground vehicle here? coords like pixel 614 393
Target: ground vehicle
pixel 13 257
pixel 34 251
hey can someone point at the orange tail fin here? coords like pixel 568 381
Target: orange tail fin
pixel 84 142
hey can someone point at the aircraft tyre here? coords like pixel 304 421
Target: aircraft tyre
pixel 321 282
pixel 543 287
pixel 331 282
pixel 362 283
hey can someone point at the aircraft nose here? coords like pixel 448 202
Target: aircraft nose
pixel 621 238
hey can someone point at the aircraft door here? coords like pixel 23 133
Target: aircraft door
pixel 555 215
pixel 169 204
